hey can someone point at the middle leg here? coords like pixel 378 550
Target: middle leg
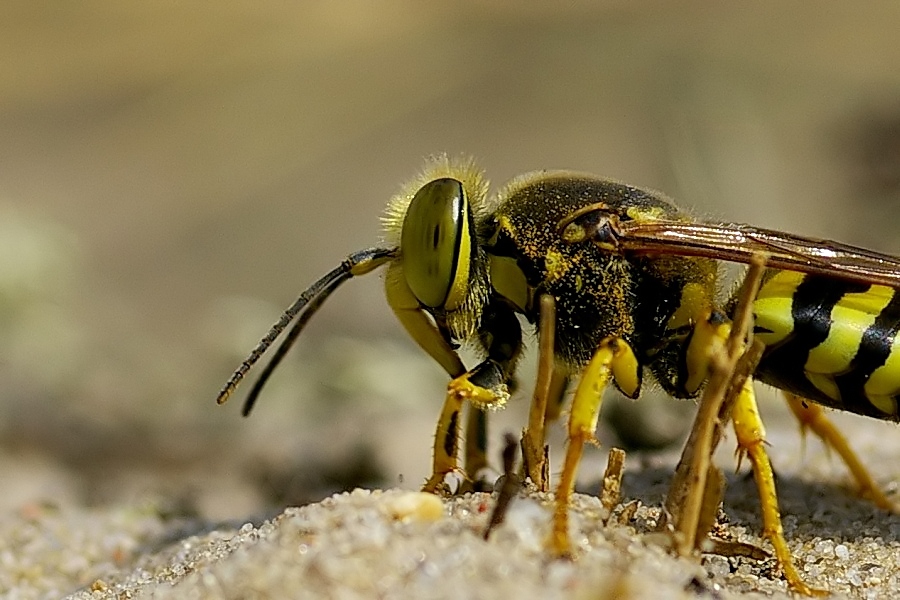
pixel 614 359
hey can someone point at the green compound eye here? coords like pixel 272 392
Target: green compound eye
pixel 435 242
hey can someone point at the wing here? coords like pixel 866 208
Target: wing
pixel 736 243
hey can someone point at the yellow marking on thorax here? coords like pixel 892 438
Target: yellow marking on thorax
pixel 509 281
pixel 694 306
pixel 556 265
pixel 646 213
pixel 503 223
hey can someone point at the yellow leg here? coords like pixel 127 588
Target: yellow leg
pixel 534 452
pixel 559 383
pixel 614 359
pixel 446 436
pixel 446 444
pixel 476 442
pixel 751 437
pixel 812 417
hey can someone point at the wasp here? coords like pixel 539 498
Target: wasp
pixel 620 284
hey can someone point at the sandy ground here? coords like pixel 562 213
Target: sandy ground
pixel 172 176
pixel 399 544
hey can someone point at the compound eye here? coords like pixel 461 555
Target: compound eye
pixel 434 237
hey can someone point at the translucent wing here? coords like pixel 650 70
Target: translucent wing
pixel 738 243
pixel 733 242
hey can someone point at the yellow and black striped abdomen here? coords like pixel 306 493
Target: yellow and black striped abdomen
pixel 833 342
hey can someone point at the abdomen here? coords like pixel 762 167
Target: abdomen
pixel 830 341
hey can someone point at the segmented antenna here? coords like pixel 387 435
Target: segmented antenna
pixel 310 300
pixel 288 341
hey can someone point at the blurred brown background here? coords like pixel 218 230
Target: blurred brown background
pixel 173 175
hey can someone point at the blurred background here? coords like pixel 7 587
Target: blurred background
pixel 172 176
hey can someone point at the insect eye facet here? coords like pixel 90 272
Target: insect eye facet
pixel 434 235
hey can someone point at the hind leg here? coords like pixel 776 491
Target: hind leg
pixel 812 417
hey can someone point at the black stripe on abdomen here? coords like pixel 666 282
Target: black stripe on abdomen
pixel 811 308
pixel 874 350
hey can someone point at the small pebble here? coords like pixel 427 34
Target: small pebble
pixel 841 552
pixel 413 506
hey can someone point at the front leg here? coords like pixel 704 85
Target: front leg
pixel 483 388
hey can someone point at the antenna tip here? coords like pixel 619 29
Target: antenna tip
pixel 224 394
